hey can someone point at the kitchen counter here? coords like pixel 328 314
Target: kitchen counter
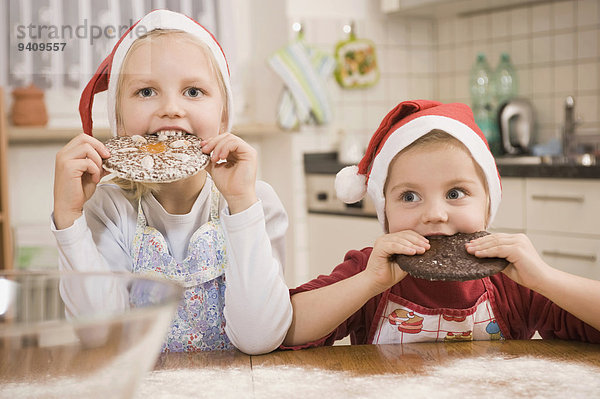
pixel 513 369
pixel 327 163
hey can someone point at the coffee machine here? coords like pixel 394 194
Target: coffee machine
pixel 516 119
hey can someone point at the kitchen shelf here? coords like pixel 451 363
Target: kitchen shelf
pixel 6 256
pixel 42 135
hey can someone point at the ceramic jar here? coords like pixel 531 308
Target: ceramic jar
pixel 28 108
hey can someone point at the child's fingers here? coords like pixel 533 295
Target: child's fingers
pixel 81 166
pixel 413 237
pixel 493 245
pixel 224 145
pixel 87 142
pixel 406 244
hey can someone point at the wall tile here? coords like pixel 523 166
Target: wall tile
pixel 420 32
pixel 498 47
pixel 520 23
pixel 588 12
pixel 352 117
pixel 500 24
pixel 461 87
pixel 446 91
pixel 463 59
pixel 376 113
pixel 564 79
pixel 587 43
pixel 376 93
pixel 564 47
pixel 421 87
pixel 587 108
pixel 398 60
pixel 397 31
pixel 554 46
pixel 520 52
pixel 541 18
pixel 421 61
pixel 376 30
pixel 541 49
pixel 588 75
pixel 446 59
pixel 463 30
pixel 544 110
pixel 525 82
pixel 481 25
pixel 542 81
pixel 564 14
pixel 398 88
pixel 445 31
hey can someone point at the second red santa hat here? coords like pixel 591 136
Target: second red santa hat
pixel 403 125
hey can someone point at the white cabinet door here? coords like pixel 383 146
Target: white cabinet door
pixel 330 237
pixel 511 214
pixel 563 206
pixel 580 256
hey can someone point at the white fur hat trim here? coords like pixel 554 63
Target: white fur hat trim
pixel 350 186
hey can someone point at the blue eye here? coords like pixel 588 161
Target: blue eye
pixel 410 196
pixel 455 193
pixel 145 92
pixel 193 92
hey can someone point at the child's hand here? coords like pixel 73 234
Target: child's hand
pixel 78 170
pixel 526 267
pixel 385 273
pixel 236 178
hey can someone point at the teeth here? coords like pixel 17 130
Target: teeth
pixel 171 132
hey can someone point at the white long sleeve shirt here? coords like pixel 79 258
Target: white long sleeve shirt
pixel 258 310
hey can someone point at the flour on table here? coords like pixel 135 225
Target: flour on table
pixel 495 377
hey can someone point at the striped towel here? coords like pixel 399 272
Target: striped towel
pixel 304 71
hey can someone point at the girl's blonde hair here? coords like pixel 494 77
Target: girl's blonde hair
pixel 437 136
pixel 136 190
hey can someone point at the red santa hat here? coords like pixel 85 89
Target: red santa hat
pixel 404 124
pixel 107 75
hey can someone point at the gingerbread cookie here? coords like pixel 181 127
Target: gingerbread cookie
pixel 448 260
pixel 155 158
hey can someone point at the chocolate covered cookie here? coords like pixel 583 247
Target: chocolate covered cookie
pixel 155 158
pixel 448 260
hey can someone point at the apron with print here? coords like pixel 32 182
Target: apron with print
pixel 402 321
pixel 199 323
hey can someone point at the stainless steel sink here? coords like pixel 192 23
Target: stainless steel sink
pixel 579 159
pixel 519 160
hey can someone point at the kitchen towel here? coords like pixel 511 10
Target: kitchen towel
pixel 304 71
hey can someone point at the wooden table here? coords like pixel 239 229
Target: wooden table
pixel 535 368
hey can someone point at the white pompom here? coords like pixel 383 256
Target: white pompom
pixel 350 186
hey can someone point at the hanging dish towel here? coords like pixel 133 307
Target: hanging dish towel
pixel 304 71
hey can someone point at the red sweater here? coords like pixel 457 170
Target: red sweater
pixel 519 311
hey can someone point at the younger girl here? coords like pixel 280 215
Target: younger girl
pixel 220 234
pixel 429 172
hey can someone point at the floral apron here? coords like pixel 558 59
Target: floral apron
pixel 402 321
pixel 199 323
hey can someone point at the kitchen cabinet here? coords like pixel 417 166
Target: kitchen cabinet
pixel 445 8
pixel 331 236
pixel 561 218
pixel 5 232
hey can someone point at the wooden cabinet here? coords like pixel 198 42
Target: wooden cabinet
pixel 5 231
pixel 560 217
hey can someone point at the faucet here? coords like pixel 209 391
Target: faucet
pixel 569 127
